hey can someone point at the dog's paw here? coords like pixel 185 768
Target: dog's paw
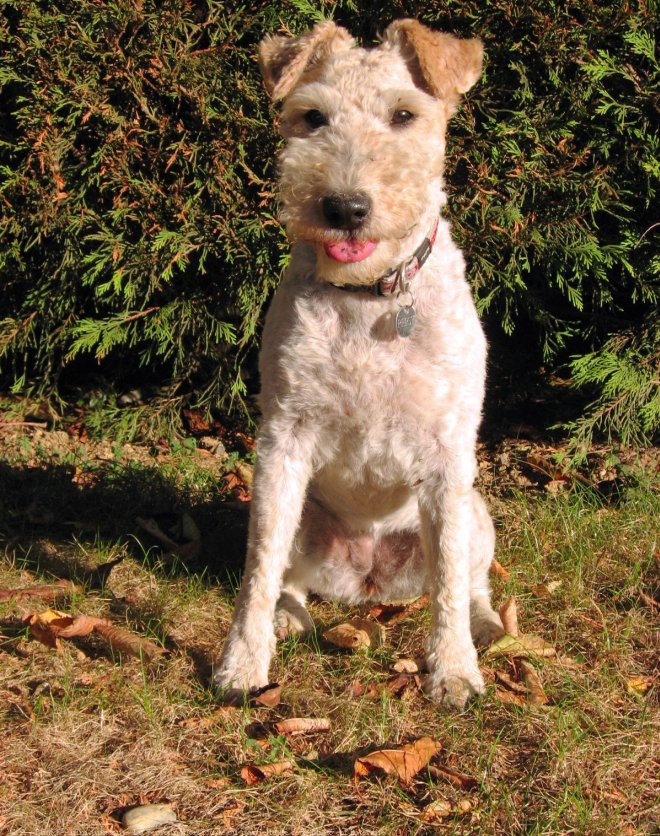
pixel 289 623
pixel 486 627
pixel 242 668
pixel 234 687
pixel 291 618
pixel 454 690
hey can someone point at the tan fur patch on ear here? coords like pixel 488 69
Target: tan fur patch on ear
pixel 283 61
pixel 446 66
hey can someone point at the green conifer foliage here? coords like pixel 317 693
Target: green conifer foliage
pixel 137 166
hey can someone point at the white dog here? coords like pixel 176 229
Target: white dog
pixel 373 359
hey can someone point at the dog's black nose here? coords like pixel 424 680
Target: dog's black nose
pixel 346 211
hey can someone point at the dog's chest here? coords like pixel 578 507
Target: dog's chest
pixel 348 364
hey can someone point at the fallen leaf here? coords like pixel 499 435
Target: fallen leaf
pixel 409 665
pixel 405 762
pixel 499 571
pixel 359 689
pixel 51 625
pixel 147 817
pixel 458 779
pixel 81 625
pixel 245 472
pixel 403 685
pixel 639 685
pixel 356 634
pixel 509 616
pixel 510 683
pixel 436 810
pixel 127 642
pixel 51 592
pixel 510 697
pixel 545 467
pixel 522 645
pixel 394 613
pixel 269 696
pixel 230 813
pixel 545 589
pixel 255 774
pixel 535 693
pixel 301 725
pixel 556 485
pixel 45 626
pixel 216 783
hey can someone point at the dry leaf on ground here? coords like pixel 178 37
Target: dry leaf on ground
pixel 291 728
pixel 127 642
pixel 543 590
pixel 522 645
pixel 639 685
pixel 458 779
pixel 45 626
pixel 499 571
pixel 405 762
pixel 268 697
pixel 509 616
pixel 409 665
pixel 441 809
pixel 512 685
pixel 535 693
pixel 436 811
pixel 301 725
pixel 255 774
pixel 391 614
pixel 504 695
pixel 48 592
pixel 147 817
pixel 359 689
pixel 51 625
pixel 356 634
pixel 403 685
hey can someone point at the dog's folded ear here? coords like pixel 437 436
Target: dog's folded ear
pixel 284 61
pixel 441 64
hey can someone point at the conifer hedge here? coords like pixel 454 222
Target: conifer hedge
pixel 136 189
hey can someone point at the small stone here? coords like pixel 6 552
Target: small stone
pixel 147 817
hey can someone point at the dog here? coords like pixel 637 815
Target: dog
pixel 372 362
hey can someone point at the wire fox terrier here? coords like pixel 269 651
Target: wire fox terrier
pixel 373 360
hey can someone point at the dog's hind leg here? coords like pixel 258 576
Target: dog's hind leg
pixel 485 623
pixel 291 616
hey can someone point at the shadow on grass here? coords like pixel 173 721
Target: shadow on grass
pixel 47 509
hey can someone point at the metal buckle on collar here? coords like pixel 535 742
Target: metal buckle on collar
pixel 384 286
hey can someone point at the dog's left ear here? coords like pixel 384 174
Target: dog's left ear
pixel 441 64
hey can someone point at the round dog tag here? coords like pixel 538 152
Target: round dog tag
pixel 405 321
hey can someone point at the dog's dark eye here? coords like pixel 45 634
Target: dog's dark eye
pixel 402 117
pixel 315 119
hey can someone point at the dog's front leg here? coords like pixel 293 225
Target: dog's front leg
pixel 446 516
pixel 283 470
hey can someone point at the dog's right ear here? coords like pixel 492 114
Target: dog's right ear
pixel 283 61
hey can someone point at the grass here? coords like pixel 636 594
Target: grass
pixel 87 733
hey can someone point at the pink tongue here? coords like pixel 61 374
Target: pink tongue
pixel 350 251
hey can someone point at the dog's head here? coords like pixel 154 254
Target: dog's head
pixel 361 172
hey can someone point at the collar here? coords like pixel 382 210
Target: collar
pixel 398 278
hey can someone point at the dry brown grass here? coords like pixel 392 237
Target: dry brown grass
pixel 86 734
